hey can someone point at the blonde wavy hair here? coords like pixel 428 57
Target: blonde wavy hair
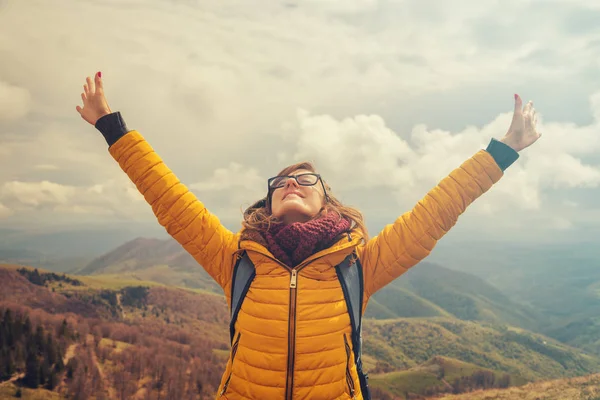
pixel 258 217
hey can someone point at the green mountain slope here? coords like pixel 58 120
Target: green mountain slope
pixel 406 343
pixel 430 290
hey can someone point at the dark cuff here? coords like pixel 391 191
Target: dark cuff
pixel 112 126
pixel 503 154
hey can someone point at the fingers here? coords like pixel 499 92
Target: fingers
pixel 518 103
pixel 91 85
pixel 528 107
pixel 98 79
pixel 86 90
pixel 79 109
pixel 83 97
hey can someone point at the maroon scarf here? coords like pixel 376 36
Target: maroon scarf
pixel 293 243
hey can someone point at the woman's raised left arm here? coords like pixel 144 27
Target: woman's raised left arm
pixel 414 234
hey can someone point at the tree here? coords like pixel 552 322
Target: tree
pixel 504 381
pixel 27 327
pixel 64 329
pixel 39 340
pixel 59 366
pixel 7 329
pixel 52 380
pixel 32 370
pixel 35 278
pixel 51 349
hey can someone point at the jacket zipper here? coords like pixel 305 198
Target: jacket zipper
pixel 289 385
pixel 349 379
pixel 233 352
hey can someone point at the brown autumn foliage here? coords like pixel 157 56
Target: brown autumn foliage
pixel 16 288
pixel 159 348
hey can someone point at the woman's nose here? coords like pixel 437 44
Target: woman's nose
pixel 291 182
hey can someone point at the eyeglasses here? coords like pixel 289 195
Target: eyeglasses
pixel 307 179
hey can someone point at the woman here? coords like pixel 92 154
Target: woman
pixel 292 336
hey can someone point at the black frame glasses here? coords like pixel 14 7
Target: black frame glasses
pixel 280 181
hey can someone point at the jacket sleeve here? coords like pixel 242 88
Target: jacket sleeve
pixel 176 208
pixel 414 234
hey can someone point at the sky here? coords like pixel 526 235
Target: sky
pixel 385 97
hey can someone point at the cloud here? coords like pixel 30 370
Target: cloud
pixel 230 190
pixel 362 153
pixel 15 102
pixel 4 211
pixel 116 198
pixel 36 194
pixel 395 93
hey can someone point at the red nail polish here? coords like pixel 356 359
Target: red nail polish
pixel 99 74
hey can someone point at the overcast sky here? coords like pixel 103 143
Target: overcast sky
pixel 386 97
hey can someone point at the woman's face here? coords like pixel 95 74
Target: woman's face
pixel 297 203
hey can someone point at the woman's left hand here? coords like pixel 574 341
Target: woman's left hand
pixel 522 132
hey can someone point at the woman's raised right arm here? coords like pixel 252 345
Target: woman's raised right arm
pixel 185 218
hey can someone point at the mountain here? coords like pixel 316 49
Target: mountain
pixel 440 375
pixel 425 291
pixel 405 343
pixel 149 259
pixel 561 281
pixel 431 290
pixel 59 250
pixel 138 338
pixel 115 342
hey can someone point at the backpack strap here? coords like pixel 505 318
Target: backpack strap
pixel 243 275
pixel 350 275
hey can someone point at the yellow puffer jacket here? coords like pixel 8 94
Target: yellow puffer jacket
pixel 294 342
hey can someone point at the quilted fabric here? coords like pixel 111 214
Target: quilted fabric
pixel 292 336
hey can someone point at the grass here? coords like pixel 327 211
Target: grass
pixel 582 388
pixel 428 375
pixel 8 390
pixel 114 282
pixel 400 382
pixel 407 342
pixel 120 346
pixel 221 353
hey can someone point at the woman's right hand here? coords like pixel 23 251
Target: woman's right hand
pixel 94 102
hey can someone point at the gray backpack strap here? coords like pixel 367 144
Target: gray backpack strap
pixel 243 275
pixel 350 275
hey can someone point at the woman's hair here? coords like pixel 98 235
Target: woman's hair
pixel 258 217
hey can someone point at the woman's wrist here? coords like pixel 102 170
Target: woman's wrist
pixel 112 126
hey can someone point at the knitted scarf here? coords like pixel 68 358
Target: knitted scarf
pixel 293 243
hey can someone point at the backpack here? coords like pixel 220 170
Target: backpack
pixel 350 275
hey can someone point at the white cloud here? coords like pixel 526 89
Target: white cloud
pixel 116 198
pixel 210 85
pixel 4 211
pixel 36 194
pixel 362 152
pixel 46 167
pixel 235 176
pixel 15 102
pixel 230 190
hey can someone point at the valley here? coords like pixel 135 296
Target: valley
pixel 146 306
